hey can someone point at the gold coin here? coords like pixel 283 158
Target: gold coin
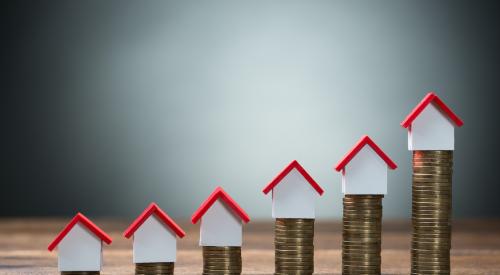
pixel 361 236
pixel 431 211
pixel 222 260
pixel 154 268
pixel 294 249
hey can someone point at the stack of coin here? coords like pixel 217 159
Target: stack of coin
pixel 361 236
pixel 154 268
pixel 80 272
pixel 218 260
pixel 431 212
pixel 294 246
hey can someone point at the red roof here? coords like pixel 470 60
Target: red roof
pixel 219 193
pixel 361 143
pixel 80 218
pixel 153 209
pixel 290 167
pixel 431 97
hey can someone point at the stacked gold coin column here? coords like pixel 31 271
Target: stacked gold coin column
pixel 294 192
pixel 361 236
pixel 364 184
pixel 154 268
pixel 431 212
pixel 219 260
pixel 221 233
pixel 294 246
pixel 431 138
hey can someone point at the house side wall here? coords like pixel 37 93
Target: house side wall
pixel 80 250
pixel 431 130
pixel 220 226
pixel 343 181
pixel 294 197
pixel 154 242
pixel 365 174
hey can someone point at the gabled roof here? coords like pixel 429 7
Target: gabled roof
pixel 361 143
pixel 219 193
pixel 150 210
pixel 80 218
pixel 290 167
pixel 431 97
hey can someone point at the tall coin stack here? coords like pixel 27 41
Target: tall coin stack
pixel 361 236
pixel 218 260
pixel 294 246
pixel 154 268
pixel 431 212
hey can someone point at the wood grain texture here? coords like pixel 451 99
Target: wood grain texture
pixel 23 242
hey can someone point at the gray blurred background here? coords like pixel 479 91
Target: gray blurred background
pixel 113 104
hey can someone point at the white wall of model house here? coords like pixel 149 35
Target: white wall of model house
pixel 294 197
pixel 154 242
pixel 431 130
pixel 365 174
pixel 220 226
pixel 80 250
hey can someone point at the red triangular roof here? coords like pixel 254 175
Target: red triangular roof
pixel 361 143
pixel 288 168
pixel 219 193
pixel 79 218
pixel 150 210
pixel 431 97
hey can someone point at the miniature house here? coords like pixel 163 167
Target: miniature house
pixel 364 169
pixel 294 192
pixel 431 125
pixel 79 245
pixel 221 220
pixel 154 236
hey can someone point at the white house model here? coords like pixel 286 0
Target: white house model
pixel 431 125
pixel 79 245
pixel 154 236
pixel 364 169
pixel 221 220
pixel 294 193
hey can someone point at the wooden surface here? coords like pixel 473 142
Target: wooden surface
pixel 23 242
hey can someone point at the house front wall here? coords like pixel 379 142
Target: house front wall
pixel 431 130
pixel 294 197
pixel 154 242
pixel 365 174
pixel 220 226
pixel 80 250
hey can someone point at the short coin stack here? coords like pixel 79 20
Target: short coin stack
pixel 294 246
pixel 80 272
pixel 221 260
pixel 361 237
pixel 431 212
pixel 154 268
